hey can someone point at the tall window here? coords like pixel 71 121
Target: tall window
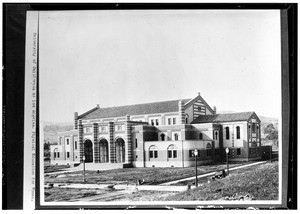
pixel 172 151
pixel 238 151
pixel 162 137
pixel 238 134
pixel 169 121
pixel 186 118
pixel 216 135
pixel 176 136
pixel 208 149
pixel 157 122
pixel 67 141
pixel 174 120
pixel 152 122
pixel 253 127
pixel 200 136
pixel 136 144
pixel 68 154
pixel 75 145
pixel 227 133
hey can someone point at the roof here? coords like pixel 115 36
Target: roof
pixel 215 118
pixel 138 109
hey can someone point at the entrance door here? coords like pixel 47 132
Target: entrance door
pixel 88 150
pixel 103 151
pixel 120 150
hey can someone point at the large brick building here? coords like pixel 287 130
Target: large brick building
pixel 160 134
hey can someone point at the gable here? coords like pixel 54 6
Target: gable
pixel 232 117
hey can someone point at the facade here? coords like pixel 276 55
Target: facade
pixel 161 134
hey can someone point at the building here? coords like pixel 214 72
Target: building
pixel 160 134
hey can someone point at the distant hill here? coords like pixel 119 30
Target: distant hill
pixel 51 129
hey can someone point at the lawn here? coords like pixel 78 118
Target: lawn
pixel 253 183
pixel 65 194
pixel 151 176
pixel 54 168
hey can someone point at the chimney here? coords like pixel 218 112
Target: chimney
pixel 127 117
pixel 98 106
pixel 215 109
pixel 198 93
pixel 181 112
pixel 75 120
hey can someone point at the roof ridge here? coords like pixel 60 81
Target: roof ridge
pixel 142 103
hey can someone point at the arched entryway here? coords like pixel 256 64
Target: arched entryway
pixel 120 150
pixel 88 151
pixel 103 151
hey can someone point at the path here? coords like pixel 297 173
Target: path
pixel 212 173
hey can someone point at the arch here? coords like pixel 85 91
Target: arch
pixel 88 151
pixel 186 118
pixel 162 137
pixel 238 132
pixel 176 136
pixel 153 153
pixel 55 153
pixel 200 136
pixel 103 150
pixel 172 151
pixel 120 150
pixel 227 133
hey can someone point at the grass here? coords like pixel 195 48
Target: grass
pixel 151 176
pixel 65 194
pixel 253 183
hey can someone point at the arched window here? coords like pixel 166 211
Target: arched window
pixel 186 118
pixel 238 132
pixel 172 151
pixel 253 127
pixel 176 136
pixel 200 136
pixel 75 145
pixel 67 141
pixel 153 152
pixel 162 137
pixel 227 133
pixel 208 149
pixel 216 135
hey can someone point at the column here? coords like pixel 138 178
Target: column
pixel 128 148
pixel 112 142
pixel 96 144
pixel 181 112
pixel 80 141
pixel 71 147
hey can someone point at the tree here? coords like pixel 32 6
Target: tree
pixel 271 132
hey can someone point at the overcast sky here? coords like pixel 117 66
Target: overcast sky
pixel 114 58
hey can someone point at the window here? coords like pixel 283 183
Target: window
pixel 238 134
pixel 119 127
pixel 54 154
pixel 253 127
pixel 176 136
pixel 136 156
pixel 157 122
pixel 169 121
pixel 75 144
pixel 57 154
pixel 68 154
pixel 200 136
pixel 67 141
pixel 136 144
pixel 174 120
pixel 153 152
pixel 186 118
pixel 162 137
pixel 152 122
pixel 208 152
pixel 227 133
pixel 216 135
pixel 172 151
pixel 238 151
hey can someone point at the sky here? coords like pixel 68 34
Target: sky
pixel 115 58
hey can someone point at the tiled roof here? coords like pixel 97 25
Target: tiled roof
pixel 215 118
pixel 138 109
